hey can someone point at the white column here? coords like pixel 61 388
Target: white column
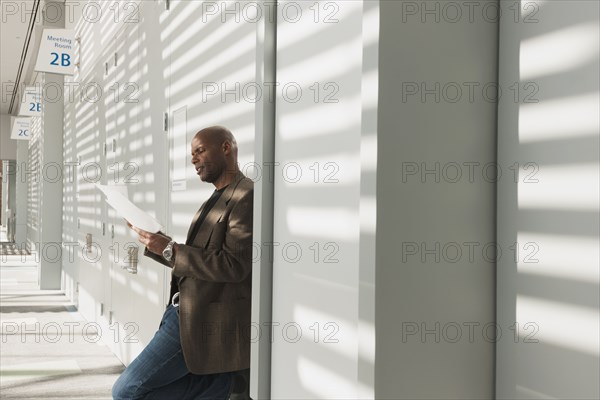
pixel 317 271
pixel 51 190
pixel 264 154
pixel 5 172
pixel 21 194
pixel 431 129
pixel 51 185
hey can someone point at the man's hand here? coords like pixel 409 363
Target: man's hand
pixel 154 242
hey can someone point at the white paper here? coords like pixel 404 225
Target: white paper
pixel 116 197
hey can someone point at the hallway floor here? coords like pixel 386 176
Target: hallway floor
pixel 47 350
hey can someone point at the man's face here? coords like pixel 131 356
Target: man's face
pixel 208 159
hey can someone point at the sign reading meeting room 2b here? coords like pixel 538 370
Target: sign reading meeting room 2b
pixel 57 52
pixel 31 105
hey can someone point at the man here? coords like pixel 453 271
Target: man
pixel 203 337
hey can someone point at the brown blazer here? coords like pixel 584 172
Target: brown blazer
pixel 216 285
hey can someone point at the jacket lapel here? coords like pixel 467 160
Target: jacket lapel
pixel 194 220
pixel 214 215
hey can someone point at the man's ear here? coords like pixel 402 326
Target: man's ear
pixel 226 147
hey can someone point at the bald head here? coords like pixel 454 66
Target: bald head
pixel 216 136
pixel 214 155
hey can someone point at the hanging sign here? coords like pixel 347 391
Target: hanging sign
pixel 57 52
pixel 21 128
pixel 31 106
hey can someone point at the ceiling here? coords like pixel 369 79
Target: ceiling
pixel 15 19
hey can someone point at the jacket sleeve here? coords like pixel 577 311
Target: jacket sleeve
pixel 230 263
pixel 156 257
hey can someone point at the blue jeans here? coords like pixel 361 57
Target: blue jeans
pixel 159 372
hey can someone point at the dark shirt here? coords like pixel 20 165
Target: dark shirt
pixel 210 203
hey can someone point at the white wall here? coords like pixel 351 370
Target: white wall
pixel 21 193
pixel 430 289
pixel 551 208
pixel 8 147
pixel 8 151
pixel 317 226
pixel 9 181
pixel 4 216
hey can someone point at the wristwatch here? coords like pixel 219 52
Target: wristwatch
pixel 168 251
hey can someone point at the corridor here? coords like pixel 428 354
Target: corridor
pixel 48 350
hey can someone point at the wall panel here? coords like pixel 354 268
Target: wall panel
pixel 317 200
pixel 430 287
pixel 548 214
